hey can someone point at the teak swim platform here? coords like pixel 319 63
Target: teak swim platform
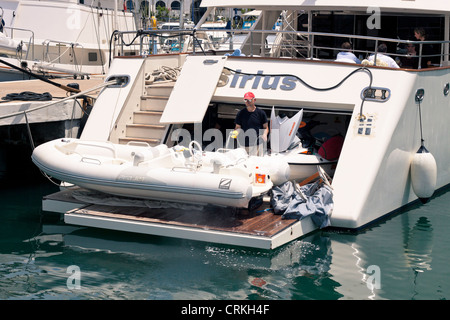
pixel 258 229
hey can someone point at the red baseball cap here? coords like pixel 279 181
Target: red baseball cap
pixel 249 95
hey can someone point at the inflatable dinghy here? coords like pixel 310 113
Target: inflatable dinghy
pixel 187 175
pixel 302 163
pixel 286 146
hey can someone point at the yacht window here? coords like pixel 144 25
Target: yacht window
pixel 92 56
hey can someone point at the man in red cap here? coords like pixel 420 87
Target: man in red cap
pixel 253 121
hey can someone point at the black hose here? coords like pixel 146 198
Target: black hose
pixel 312 87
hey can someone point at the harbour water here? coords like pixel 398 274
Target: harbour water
pixel 403 257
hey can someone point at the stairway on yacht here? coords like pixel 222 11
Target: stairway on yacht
pixel 145 126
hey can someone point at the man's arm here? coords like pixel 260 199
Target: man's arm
pixel 266 131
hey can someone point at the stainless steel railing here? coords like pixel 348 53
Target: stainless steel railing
pixel 272 43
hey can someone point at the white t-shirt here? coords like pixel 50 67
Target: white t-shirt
pixel 347 56
pixel 386 59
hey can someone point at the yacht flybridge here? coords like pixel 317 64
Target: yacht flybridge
pixel 385 129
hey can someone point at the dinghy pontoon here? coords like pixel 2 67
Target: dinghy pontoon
pixel 188 175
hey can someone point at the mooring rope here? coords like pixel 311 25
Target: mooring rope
pixel 59 101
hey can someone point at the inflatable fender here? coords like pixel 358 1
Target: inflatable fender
pixel 423 174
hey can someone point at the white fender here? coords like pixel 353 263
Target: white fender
pixel 423 174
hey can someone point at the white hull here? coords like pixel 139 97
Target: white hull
pixel 301 166
pixel 374 109
pixel 50 70
pixel 75 43
pixel 372 175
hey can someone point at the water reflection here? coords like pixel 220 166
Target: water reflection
pixel 418 249
pixel 419 245
pixel 36 251
pixel 119 265
pixel 116 265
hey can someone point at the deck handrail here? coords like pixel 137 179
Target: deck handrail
pixel 30 44
pixel 310 46
pixel 70 46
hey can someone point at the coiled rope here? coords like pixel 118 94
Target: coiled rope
pixel 28 96
pixel 59 101
pixel 163 74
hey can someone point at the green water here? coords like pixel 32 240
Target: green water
pixel 404 257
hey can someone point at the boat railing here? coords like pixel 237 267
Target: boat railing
pixel 372 44
pixel 308 45
pixel 278 43
pixel 147 42
pixel 59 44
pixel 30 44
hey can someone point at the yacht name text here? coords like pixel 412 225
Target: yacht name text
pixel 266 82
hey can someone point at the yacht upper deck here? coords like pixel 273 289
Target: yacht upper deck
pixel 316 30
pixel 399 6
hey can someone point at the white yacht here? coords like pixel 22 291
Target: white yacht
pixel 61 37
pixel 390 119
